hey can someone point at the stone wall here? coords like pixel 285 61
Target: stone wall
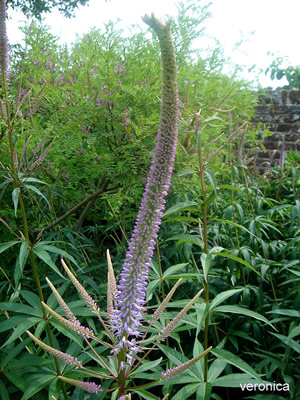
pixel 279 111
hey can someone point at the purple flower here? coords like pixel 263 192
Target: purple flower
pixel 118 69
pixel 4 56
pixel 50 64
pixel 131 288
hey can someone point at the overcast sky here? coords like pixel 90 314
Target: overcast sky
pixel 268 25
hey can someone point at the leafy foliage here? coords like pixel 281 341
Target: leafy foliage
pixel 84 121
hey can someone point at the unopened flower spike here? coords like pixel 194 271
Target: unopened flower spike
pixel 66 358
pixel 111 288
pixel 89 387
pixel 173 372
pixel 172 325
pixel 62 304
pixel 91 304
pixel 74 326
pixel 131 289
pixel 164 303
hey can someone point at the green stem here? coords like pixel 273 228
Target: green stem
pixel 205 242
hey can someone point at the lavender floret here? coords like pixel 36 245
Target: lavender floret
pixel 131 290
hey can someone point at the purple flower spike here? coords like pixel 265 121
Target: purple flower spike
pixel 131 288
pixel 4 57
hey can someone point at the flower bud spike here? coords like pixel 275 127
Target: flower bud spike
pixel 91 304
pixel 89 387
pixel 111 288
pixel 172 325
pixel 161 308
pixel 74 326
pixel 173 372
pixel 61 302
pixel 66 358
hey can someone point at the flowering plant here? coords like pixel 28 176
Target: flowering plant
pixel 125 317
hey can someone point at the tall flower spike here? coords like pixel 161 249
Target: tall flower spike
pixel 89 387
pixel 66 358
pixel 131 289
pixel 4 57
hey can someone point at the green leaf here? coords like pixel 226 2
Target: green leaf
pixel 234 380
pixel 37 191
pixel 178 358
pixel 39 382
pixel 186 238
pixel 7 245
pixel 187 172
pixel 25 180
pixel 3 391
pixel 238 259
pixel 223 296
pixel 21 261
pixel 204 391
pixel 16 379
pixel 146 395
pixel 211 176
pixel 243 311
pixel 53 249
pixel 225 221
pixel 146 366
pixel 236 361
pixel 21 328
pixel 206 262
pixel 186 391
pixel 172 270
pixel 20 308
pixel 286 312
pixel 232 187
pixel 44 256
pixel 216 368
pixel 288 342
pixel 15 351
pixel 179 207
pixel 15 197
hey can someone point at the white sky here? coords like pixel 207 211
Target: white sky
pixel 275 24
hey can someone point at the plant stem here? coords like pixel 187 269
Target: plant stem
pixel 205 241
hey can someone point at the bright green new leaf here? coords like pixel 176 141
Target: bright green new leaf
pixel 15 197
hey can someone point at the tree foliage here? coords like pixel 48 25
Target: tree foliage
pixel 35 8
